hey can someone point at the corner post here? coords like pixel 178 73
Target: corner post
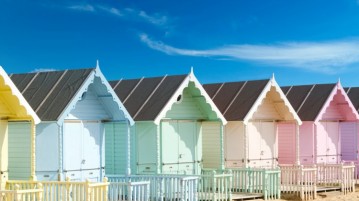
pixel 33 151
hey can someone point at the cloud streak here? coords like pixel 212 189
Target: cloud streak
pixel 327 57
pixel 128 13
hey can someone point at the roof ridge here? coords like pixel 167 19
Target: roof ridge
pixel 149 97
pixel 134 88
pixel 235 97
pixel 50 92
pixel 215 94
pixel 28 84
pixel 306 97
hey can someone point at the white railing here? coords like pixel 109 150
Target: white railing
pixel 215 186
pixel 21 195
pixel 254 180
pixel 161 187
pixel 130 191
pixel 300 180
pixel 65 190
pixel 337 175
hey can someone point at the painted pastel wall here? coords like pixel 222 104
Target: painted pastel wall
pixel 116 147
pixel 287 142
pixel 19 150
pixel 47 151
pixel 349 140
pixel 147 152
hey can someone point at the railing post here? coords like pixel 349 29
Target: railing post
pixel 264 185
pixel 214 185
pixel 129 191
pixel 88 190
pixel 68 186
pixel 161 189
pixel 17 194
pixel 39 194
pixel 183 191
pixel 230 185
pixel 105 180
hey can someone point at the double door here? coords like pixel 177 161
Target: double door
pixel 180 147
pixel 328 142
pixel 83 150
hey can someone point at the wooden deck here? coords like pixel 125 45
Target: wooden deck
pixel 328 188
pixel 245 196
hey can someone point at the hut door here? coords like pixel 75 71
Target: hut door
pixel 82 145
pixel 328 142
pixel 262 143
pixel 169 147
pixel 178 147
pixel 349 139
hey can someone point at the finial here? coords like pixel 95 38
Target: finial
pixel 273 76
pixel 191 69
pixel 97 64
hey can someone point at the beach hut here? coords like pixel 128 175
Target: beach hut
pixel 178 128
pixel 14 108
pixel 253 110
pixel 74 106
pixel 329 132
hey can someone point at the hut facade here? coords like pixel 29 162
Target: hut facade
pixel 178 128
pixel 74 106
pixel 253 110
pixel 15 109
pixel 329 122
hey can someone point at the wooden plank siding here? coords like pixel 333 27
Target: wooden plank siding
pixel 116 147
pixel 19 150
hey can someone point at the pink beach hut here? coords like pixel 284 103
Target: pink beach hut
pixel 254 110
pixel 329 123
pixel 351 149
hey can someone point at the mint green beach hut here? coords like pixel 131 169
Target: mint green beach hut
pixel 178 129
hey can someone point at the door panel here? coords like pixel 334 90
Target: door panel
pixel 268 143
pixel 333 142
pixel 170 147
pixel 254 143
pixel 234 144
pixel 91 146
pixel 72 146
pixel 321 142
pixel 186 147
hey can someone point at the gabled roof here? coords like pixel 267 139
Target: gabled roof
pixel 353 94
pixel 239 100
pixel 20 108
pixel 148 99
pixel 310 101
pixel 53 94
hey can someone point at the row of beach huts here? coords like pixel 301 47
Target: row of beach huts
pixel 72 135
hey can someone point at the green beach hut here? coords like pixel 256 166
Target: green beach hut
pixel 178 129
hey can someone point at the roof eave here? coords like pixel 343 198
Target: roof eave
pixel 15 91
pixel 190 78
pixel 258 102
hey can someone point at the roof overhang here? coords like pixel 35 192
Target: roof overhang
pixel 190 78
pixel 338 87
pixel 90 79
pixel 271 83
pixel 22 102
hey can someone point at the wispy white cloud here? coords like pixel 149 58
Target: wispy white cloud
pixel 38 70
pixel 128 13
pixel 328 57
pixel 82 7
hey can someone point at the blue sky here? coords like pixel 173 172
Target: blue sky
pixel 301 42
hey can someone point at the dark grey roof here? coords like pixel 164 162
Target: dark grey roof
pixel 235 99
pixel 49 93
pixel 353 94
pixel 145 98
pixel 308 100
